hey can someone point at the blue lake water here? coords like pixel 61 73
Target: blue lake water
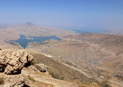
pixel 88 30
pixel 23 41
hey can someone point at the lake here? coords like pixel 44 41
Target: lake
pixel 23 41
pixel 88 30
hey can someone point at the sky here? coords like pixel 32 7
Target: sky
pixel 90 14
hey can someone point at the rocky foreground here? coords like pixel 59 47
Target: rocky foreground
pixel 17 70
pixel 25 68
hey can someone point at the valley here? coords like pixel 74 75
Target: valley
pixel 81 58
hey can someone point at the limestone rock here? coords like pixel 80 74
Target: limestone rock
pixel 13 60
pixel 38 68
pixel 11 80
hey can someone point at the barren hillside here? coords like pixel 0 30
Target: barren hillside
pixel 98 55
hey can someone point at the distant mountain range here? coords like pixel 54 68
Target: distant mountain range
pixel 81 58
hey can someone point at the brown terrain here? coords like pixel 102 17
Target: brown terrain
pixel 97 56
pixel 78 60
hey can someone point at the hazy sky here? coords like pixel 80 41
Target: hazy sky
pixel 103 14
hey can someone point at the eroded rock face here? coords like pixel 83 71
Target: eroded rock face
pixel 13 60
pixel 36 75
pixel 14 81
pixel 11 80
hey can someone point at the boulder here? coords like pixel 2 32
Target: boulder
pixel 42 67
pixel 13 60
pixel 38 68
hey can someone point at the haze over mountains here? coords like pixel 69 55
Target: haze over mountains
pixel 83 59
pixel 61 43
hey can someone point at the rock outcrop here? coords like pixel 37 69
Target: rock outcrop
pixel 42 67
pixel 13 60
pixel 11 80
